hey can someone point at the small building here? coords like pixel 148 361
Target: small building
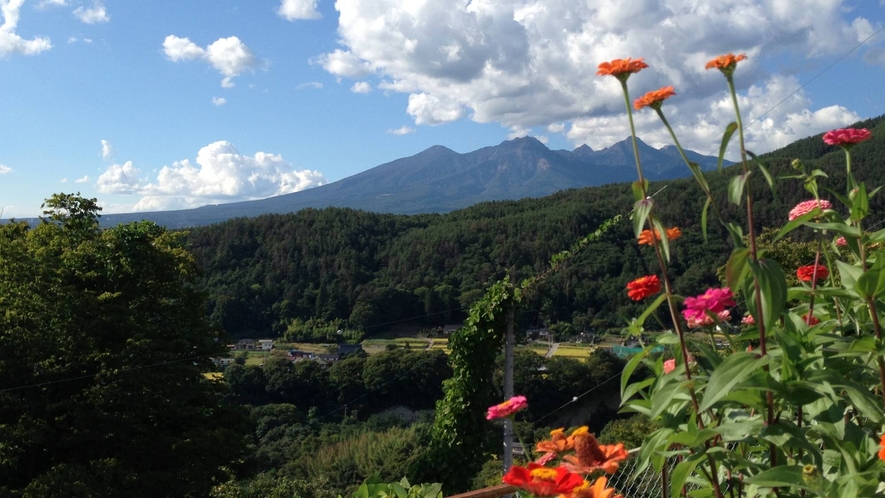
pixel 245 345
pixel 265 344
pixel 223 362
pixel 349 349
pixel 327 359
pixel 298 354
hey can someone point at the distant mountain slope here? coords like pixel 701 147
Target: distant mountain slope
pixel 441 180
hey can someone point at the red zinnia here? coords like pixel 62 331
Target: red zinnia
pixel 810 321
pixel 806 273
pixel 846 136
pixel 542 481
pixel 620 68
pixel 654 99
pixel 643 287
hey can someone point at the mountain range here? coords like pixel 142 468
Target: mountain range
pixel 440 180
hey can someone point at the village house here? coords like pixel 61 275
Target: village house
pixel 265 344
pixel 245 345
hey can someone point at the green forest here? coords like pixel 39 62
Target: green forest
pixel 370 270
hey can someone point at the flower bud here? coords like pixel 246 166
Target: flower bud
pixel 796 164
pixel 852 194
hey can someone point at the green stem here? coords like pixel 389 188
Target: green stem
pixel 633 135
pixel 851 183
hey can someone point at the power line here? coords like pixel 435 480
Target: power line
pixel 576 398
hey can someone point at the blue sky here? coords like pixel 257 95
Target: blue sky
pixel 159 104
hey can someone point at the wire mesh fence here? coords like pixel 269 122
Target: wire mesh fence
pixel 646 484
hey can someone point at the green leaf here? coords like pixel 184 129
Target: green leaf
pixel 726 137
pixel 704 219
pixel 736 232
pixel 636 325
pixel 860 208
pixel 871 284
pixel 796 223
pixel 682 471
pixel 736 188
pixel 665 241
pixel 773 287
pixel 848 274
pixel 734 370
pixel 641 210
pixel 736 268
pixel 663 398
pixel 786 476
pixel 840 228
pixel 639 189
pixel 630 367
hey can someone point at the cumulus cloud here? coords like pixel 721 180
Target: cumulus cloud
pixel 4 169
pixel 219 101
pixel 532 63
pixel 361 87
pixel 12 43
pixel 298 9
pixel 107 150
pixel 84 179
pixel 229 56
pixel 219 174
pixel 92 15
pixel 402 130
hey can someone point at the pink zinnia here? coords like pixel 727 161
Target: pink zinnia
pixel 695 322
pixel 507 408
pixel 669 366
pixel 846 136
pixel 714 301
pixel 748 320
pixel 808 206
pixel 841 242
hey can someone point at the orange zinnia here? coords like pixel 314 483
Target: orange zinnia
pixel 646 238
pixel 725 63
pixel 596 490
pixel 620 68
pixel 558 443
pixel 591 456
pixel 654 98
pixel 882 447
pixel 643 287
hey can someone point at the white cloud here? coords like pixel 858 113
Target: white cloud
pixel 532 63
pixel 84 179
pixel 361 87
pixel 219 101
pixel 298 9
pixel 229 56
pixel 50 3
pixel 402 130
pixel 93 15
pixel 219 174
pixel 316 85
pixel 107 150
pixel 12 43
pixel 4 169
pixel 74 39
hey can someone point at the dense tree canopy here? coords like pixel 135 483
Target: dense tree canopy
pixel 103 350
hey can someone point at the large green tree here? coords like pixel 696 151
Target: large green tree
pixel 103 349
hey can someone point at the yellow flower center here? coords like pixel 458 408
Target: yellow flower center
pixel 581 430
pixel 544 474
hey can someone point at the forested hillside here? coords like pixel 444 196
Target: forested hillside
pixel 372 269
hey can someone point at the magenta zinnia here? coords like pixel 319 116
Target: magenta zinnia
pixel 714 300
pixel 507 408
pixel 846 136
pixel 806 207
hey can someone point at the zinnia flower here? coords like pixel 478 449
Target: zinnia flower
pixel 591 456
pixel 806 273
pixel 748 320
pixel 882 445
pixel 846 137
pixel 806 207
pixel 654 98
pixel 714 301
pixel 507 408
pixel 558 443
pixel 643 287
pixel 669 366
pixel 621 68
pixel 542 481
pixel 841 242
pixel 596 490
pixel 707 320
pixel 725 63
pixel 812 321
pixel 645 237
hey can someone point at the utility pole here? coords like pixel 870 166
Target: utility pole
pixel 508 388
